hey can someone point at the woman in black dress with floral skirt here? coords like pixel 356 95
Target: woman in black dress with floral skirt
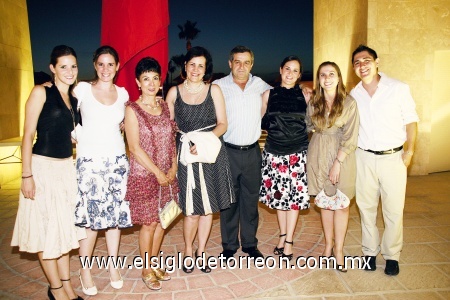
pixel 284 183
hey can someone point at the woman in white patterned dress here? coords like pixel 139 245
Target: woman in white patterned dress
pixel 102 164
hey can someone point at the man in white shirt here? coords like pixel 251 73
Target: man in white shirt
pixel 243 98
pixel 388 119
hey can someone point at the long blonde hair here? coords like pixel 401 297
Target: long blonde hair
pixel 319 104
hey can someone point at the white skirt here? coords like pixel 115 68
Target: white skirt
pixel 47 223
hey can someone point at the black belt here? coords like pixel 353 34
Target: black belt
pixel 390 151
pixel 243 148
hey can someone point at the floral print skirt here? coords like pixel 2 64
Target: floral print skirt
pixel 102 184
pixel 284 184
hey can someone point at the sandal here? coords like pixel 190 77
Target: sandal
pixel 151 281
pixel 50 294
pixel 288 256
pixel 185 268
pixel 78 297
pixel 341 268
pixel 161 274
pixel 206 268
pixel 279 251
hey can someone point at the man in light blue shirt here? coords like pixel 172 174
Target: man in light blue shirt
pixel 243 98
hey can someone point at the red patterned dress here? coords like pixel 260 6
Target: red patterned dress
pixel 157 139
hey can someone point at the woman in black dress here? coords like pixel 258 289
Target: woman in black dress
pixel 284 184
pixel 45 222
pixel 197 105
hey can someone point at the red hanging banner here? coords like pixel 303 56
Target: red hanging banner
pixel 136 28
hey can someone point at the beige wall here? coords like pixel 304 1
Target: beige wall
pixel 409 37
pixel 440 113
pixel 16 76
pixel 339 27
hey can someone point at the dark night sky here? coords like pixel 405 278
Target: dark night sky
pixel 272 29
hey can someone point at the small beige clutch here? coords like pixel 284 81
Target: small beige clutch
pixel 169 212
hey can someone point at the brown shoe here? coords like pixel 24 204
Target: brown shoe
pixel 151 281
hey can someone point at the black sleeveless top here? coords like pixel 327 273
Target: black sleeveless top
pixel 284 121
pixel 54 125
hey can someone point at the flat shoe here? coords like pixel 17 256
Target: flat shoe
pixel 151 281
pixel 206 268
pixel 186 269
pixel 161 274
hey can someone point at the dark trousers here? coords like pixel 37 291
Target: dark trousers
pixel 246 172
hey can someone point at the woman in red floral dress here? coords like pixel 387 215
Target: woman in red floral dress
pixel 153 164
pixel 284 183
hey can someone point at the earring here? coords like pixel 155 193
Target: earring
pixel 139 88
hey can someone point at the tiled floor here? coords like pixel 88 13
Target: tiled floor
pixel 424 263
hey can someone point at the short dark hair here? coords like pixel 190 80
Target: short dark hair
pixel 291 58
pixel 241 49
pixel 105 50
pixel 198 51
pixel 61 50
pixel 147 64
pixel 362 48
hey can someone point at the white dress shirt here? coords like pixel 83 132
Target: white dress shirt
pixel 384 116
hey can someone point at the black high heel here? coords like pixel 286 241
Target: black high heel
pixel 78 297
pixel 288 256
pixel 279 251
pixel 49 293
pixel 340 268
pixel 205 269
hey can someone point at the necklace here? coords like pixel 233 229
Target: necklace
pixel 148 104
pixel 193 91
pixel 74 132
pixel 72 114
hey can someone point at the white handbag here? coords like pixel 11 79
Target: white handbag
pixel 335 202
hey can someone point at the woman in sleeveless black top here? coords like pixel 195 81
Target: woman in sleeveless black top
pixel 284 186
pixel 45 220
pixel 196 105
